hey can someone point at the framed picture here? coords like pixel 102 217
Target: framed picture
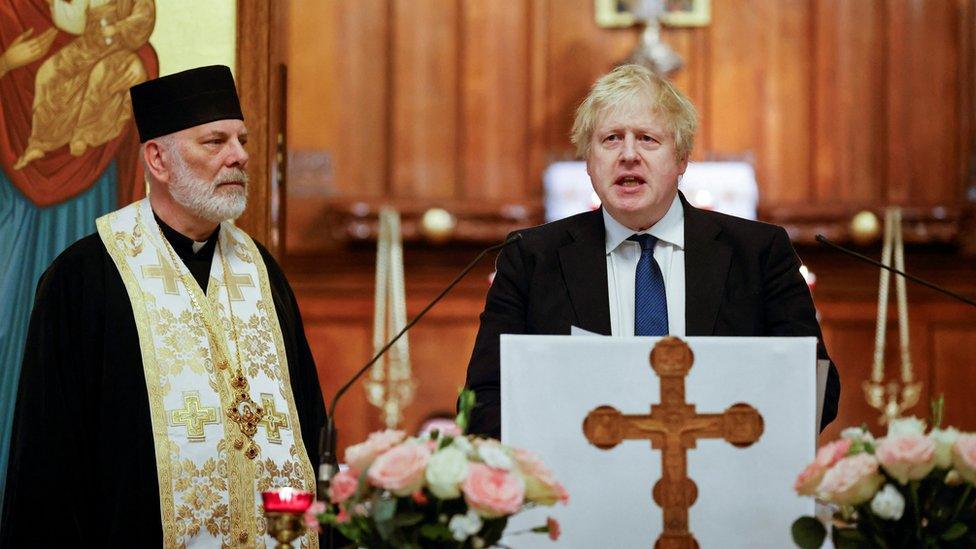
pixel 678 13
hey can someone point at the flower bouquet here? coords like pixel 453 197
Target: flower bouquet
pixel 908 489
pixel 441 489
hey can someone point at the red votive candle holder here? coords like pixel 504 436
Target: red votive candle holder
pixel 287 500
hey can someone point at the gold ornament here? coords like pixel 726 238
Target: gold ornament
pixel 865 228
pixel 437 224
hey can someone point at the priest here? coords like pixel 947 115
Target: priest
pixel 167 380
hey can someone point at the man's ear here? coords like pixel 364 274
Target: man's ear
pixel 153 153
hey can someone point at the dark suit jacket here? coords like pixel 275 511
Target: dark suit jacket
pixel 741 279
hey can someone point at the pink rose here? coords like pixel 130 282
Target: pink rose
pixel 361 455
pixel 493 492
pixel 906 457
pixel 852 480
pixel 828 454
pixel 964 456
pixel 343 485
pixel 400 469
pixel 312 516
pixel 540 485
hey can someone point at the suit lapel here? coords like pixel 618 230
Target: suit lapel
pixel 706 268
pixel 584 269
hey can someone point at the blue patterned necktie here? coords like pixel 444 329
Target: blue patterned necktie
pixel 650 299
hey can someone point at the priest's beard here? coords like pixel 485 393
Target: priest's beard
pixel 206 199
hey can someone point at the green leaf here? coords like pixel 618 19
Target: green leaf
pixel 808 533
pixel 436 532
pixel 408 519
pixel 466 402
pixel 955 532
pixel 938 410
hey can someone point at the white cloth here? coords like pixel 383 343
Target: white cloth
pixel 622 257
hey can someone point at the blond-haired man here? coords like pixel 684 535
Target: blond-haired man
pixel 647 262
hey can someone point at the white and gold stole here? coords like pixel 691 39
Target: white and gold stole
pixel 209 490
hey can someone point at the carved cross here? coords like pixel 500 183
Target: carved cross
pixel 164 271
pixel 273 420
pixel 234 282
pixel 673 427
pixel 193 416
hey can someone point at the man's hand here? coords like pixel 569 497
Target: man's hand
pixel 25 50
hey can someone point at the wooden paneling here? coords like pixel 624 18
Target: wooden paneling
pixel 733 63
pixel 849 79
pixel 257 55
pixel 923 82
pixel 424 99
pixel 494 96
pixel 786 68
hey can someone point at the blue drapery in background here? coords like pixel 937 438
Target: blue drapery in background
pixel 30 239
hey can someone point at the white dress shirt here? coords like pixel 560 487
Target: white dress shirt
pixel 622 258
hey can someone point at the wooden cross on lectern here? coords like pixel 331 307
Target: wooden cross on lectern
pixel 673 427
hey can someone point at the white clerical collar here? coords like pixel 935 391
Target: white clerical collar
pixel 670 228
pixel 197 245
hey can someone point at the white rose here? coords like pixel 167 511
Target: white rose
pixel 888 503
pixel 906 426
pixel 463 444
pixel 494 455
pixel 445 471
pixel 857 434
pixel 944 439
pixel 462 526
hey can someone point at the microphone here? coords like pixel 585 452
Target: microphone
pixel 823 240
pixel 328 461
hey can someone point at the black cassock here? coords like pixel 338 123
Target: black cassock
pixel 82 468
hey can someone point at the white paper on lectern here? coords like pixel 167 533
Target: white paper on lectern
pixel 745 495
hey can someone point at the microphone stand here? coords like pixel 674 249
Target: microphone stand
pixel 328 461
pixel 823 240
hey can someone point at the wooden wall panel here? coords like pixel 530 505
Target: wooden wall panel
pixel 952 342
pixel 850 99
pixel 424 99
pixel 734 63
pixel 494 97
pixel 362 127
pixel 785 140
pixel 922 60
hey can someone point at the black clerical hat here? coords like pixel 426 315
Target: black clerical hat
pixel 183 100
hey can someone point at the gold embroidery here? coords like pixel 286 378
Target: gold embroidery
pixel 234 282
pixel 163 270
pixel 273 419
pixel 131 244
pixel 193 416
pixel 199 504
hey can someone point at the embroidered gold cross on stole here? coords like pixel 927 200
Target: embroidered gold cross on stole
pixel 273 420
pixel 234 282
pixel 193 416
pixel 163 270
pixel 673 427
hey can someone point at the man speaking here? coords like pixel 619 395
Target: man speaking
pixel 647 263
pixel 167 380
